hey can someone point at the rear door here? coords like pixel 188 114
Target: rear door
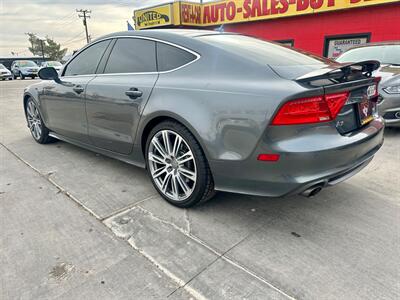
pixel 116 98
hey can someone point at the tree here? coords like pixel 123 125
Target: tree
pixel 51 49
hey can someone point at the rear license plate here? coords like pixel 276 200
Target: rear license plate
pixel 365 112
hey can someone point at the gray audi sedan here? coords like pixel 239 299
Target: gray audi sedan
pixel 205 111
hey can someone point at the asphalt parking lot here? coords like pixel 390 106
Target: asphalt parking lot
pixel 75 224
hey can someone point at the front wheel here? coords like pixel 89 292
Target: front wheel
pixel 39 131
pixel 21 76
pixel 177 165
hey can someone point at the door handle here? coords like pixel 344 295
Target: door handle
pixel 134 93
pixel 78 89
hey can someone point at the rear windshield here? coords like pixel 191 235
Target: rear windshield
pixel 287 62
pixel 385 54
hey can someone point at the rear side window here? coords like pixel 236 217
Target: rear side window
pixel 287 62
pixel 261 51
pixel 170 57
pixel 131 55
pixel 86 62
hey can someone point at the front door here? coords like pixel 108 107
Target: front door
pixel 64 103
pixel 116 98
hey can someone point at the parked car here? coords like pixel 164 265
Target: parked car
pixel 5 73
pixel 388 54
pixel 55 64
pixel 24 68
pixel 206 111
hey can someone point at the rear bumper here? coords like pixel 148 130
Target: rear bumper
pixel 309 156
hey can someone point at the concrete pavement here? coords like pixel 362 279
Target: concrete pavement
pixel 80 211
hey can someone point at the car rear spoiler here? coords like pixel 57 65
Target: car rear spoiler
pixel 341 71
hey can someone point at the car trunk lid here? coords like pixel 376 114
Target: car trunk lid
pixel 357 80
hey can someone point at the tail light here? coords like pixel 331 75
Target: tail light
pixel 268 157
pixel 311 109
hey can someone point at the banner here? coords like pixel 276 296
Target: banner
pixel 230 11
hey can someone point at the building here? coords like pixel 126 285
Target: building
pixel 323 27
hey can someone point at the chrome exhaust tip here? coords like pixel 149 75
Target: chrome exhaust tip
pixel 311 192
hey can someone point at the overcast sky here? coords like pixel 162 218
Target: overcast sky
pixel 59 20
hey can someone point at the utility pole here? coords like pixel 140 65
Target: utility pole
pixel 85 15
pixel 41 45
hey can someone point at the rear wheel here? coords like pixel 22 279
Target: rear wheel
pixel 177 165
pixel 39 131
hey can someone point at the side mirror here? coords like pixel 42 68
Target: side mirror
pixel 49 73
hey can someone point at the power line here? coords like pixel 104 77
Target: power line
pixel 85 15
pixel 67 16
pixel 65 23
pixel 73 38
pixel 74 41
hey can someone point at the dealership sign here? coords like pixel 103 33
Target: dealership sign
pixel 153 17
pixel 230 11
pixel 337 46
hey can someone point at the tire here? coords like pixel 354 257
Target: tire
pixel 183 168
pixel 33 77
pixel 39 131
pixel 21 76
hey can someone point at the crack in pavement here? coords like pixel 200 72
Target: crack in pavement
pixel 126 208
pixel 55 184
pixel 220 255
pixel 181 283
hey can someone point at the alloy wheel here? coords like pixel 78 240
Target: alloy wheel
pixel 172 165
pixel 34 120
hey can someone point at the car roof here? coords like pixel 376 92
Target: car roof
pixel 375 44
pixel 169 35
pixel 168 32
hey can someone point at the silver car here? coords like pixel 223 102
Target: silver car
pixel 52 63
pixel 24 68
pixel 388 53
pixel 205 111
pixel 5 73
